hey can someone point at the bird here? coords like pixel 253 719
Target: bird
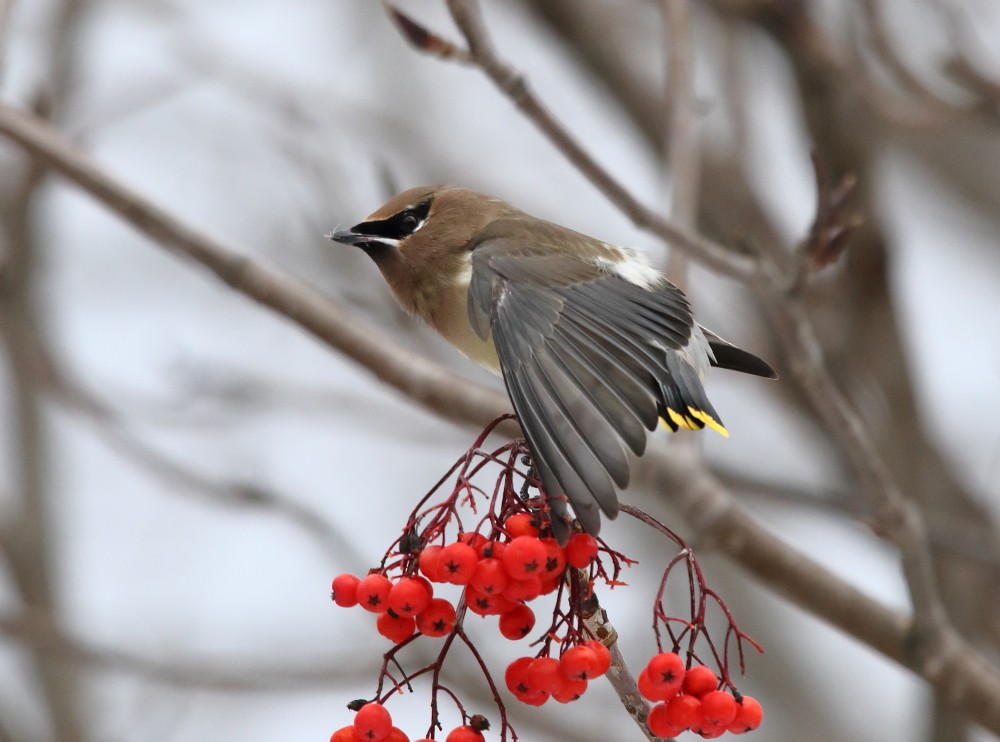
pixel 595 346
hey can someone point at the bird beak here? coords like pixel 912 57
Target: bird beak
pixel 350 237
pixel 375 247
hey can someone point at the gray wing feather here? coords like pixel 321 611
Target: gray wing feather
pixel 583 356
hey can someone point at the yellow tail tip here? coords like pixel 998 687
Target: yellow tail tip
pixel 709 421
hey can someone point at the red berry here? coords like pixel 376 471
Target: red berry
pixel 526 590
pixel 516 677
pixel 490 577
pixel 684 711
pixel 555 559
pixel 650 691
pixel 517 623
pixel 549 585
pixel 344 734
pixel 373 722
pixel 749 715
pixel 707 731
pixel 603 654
pixel 581 550
pixel 524 557
pixel 437 619
pixel 658 723
pixel 395 628
pixel 345 590
pixel 699 680
pixel 521 524
pixel 458 563
pixel 666 672
pixel 580 663
pixel 396 735
pixel 544 674
pixel 492 550
pixel 464 734
pixel 570 691
pixel 409 596
pixel 373 593
pixel 474 539
pixel 718 708
pixel 482 604
pixel 429 563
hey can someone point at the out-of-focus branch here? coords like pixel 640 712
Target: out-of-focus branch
pixel 37 630
pixel 28 534
pixel 705 503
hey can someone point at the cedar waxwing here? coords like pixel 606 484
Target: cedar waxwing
pixel 594 344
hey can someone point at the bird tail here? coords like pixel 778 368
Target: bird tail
pixel 728 356
pixel 685 405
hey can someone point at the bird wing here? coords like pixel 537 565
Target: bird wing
pixel 591 361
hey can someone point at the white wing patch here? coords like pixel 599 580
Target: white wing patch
pixel 633 266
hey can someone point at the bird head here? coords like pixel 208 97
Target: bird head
pixel 420 240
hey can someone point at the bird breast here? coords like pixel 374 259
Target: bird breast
pixel 448 313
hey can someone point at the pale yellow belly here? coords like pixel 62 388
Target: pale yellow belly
pixel 451 320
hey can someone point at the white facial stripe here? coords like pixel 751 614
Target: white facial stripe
pixel 633 266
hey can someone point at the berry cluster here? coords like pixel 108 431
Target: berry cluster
pixel 533 680
pixel 500 575
pixel 690 699
pixel 503 558
pixel 373 723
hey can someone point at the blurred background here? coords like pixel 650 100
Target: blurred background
pixel 182 471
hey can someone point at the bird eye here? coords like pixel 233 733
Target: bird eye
pixel 408 223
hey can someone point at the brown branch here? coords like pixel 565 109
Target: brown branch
pixel 965 680
pixel 29 532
